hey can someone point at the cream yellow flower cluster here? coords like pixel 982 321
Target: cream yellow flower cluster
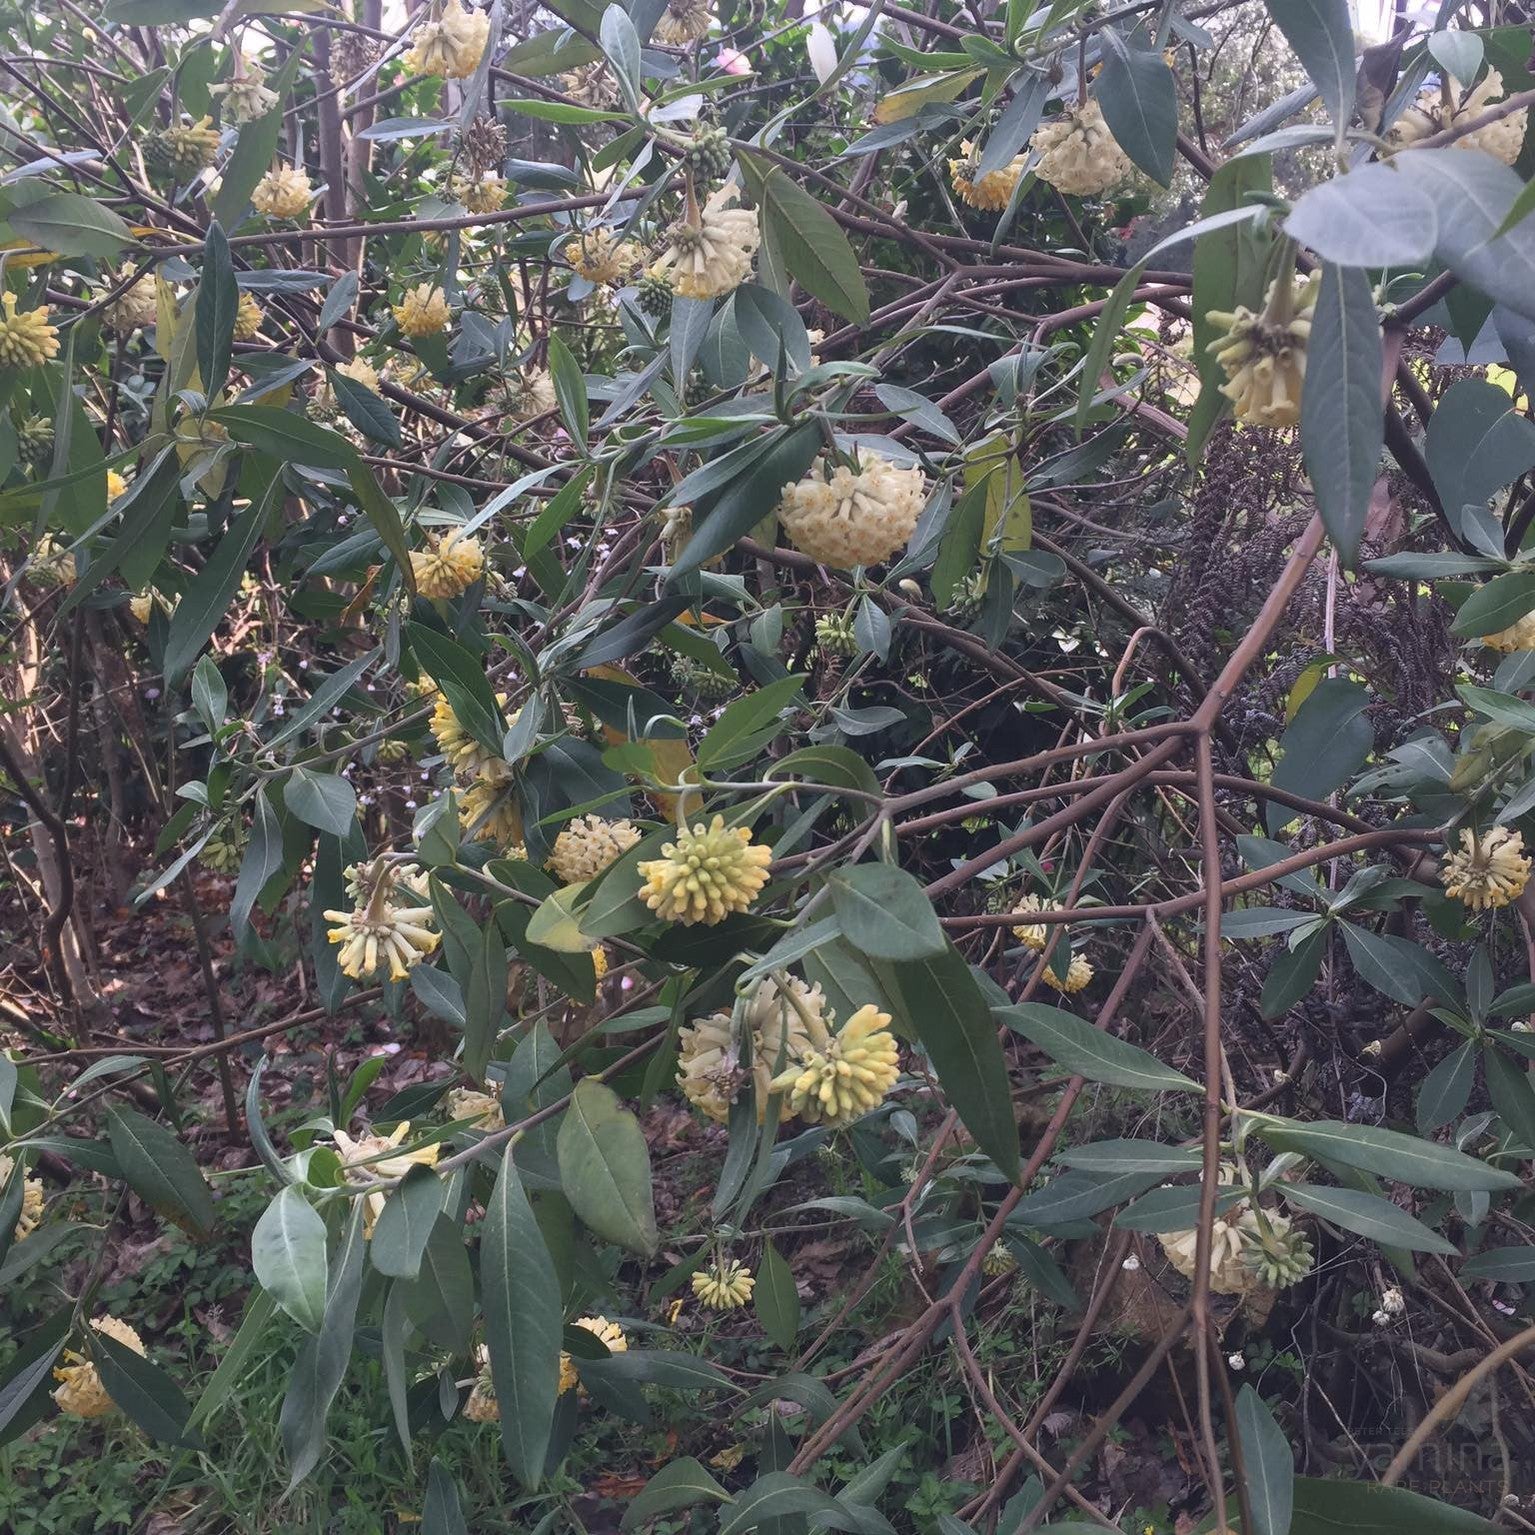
pixel 1248 1251
pixel 485 193
pixel 80 1392
pixel 482 1406
pixel 422 311
pixel 709 1069
pixel 451 47
pixel 588 845
pixel 249 316
pixel 466 756
pixel 1077 153
pixel 31 1198
pixel 489 811
pixel 1264 355
pixel 1486 871
pixel 366 1159
pixel 246 96
pixel 448 567
pixel 992 192
pixel 283 193
pixel 601 257
pixel 377 934
pixel 524 394
pixel 712 255
pixel 842 1076
pixel 1032 935
pixel 591 85
pixel 1445 106
pixel 707 873
pixel 26 338
pixel 853 516
pixel 725 1285
pixel 135 308
pixel 609 1333
pixel 1079 975
pixel 682 22
pixel 481 1108
pixel 1520 635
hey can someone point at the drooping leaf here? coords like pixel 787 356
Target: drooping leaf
pixel 605 1168
pixel 884 912
pixel 288 1255
pixel 1322 35
pixel 776 1299
pixel 1139 99
pixel 1269 1463
pixel 161 1171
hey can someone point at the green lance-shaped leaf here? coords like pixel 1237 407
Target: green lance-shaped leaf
pixel 884 912
pixel 160 1170
pixel 147 1395
pixel 1322 36
pixel 1269 1463
pixel 1140 104
pixel 776 1299
pixel 218 302
pixel 405 1224
pixel 680 1483
pixel 522 1324
pixel 1342 422
pixel 288 1254
pixel 1387 1153
pixel 605 1168
pixel 1368 1215
pixel 1088 1052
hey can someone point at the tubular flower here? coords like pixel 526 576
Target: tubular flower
pixel 185 149
pixel 222 854
pixel 464 754
pixel 588 845
pixel 843 1076
pixel 609 1333
pixel 1079 974
pixel 248 317
pixel 1520 635
pixel 1264 355
pixel 599 962
pixel 601 257
pixel 246 97
pixel 1229 1272
pixel 726 1285
pixel 422 311
pixel 135 308
pixel 31 1198
pixel 1486 871
pixel 707 873
pixel 1077 153
pixel 80 1392
pixel 116 485
pixel 449 567
pixel 376 933
pixel 834 634
pixel 51 562
pixel 482 1406
pixel 709 1069
pixel 481 194
pixel 484 1110
pixel 489 812
pixel 368 1157
pixel 1032 935
pixel 1276 1253
pixel 591 85
pixel 682 22
pixel 452 47
pixel 992 192
pixel 27 340
pixel 283 193
pixel 712 255
pixel 1443 106
pixel 855 517
pixel 362 880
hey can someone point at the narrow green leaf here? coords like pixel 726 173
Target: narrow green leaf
pixel 71 225
pixel 442 1514
pixel 680 1483
pixel 776 1298
pixel 1088 1052
pixel 161 1171
pixel 218 301
pixel 605 1168
pixel 142 1390
pixel 1322 35
pixel 288 1254
pixel 1140 104
pixel 1388 1153
pixel 1269 1462
pixel 1368 1215
pixel 405 1224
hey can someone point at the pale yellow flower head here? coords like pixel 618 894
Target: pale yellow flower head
pixel 468 759
pixel 116 485
pixel 710 1070
pixel 481 194
pixel 26 338
pixel 707 873
pixel 588 845
pixel 725 1285
pixel 283 193
pixel 80 1392
pixel 248 318
pixel 853 516
pixel 1486 871
pixel 482 1108
pixel 843 1076
pixel 591 85
pixel 379 935
pixel 423 311
pixel 448 567
pixel 482 1406
pixel 488 812
pixel 31 1198
pixel 366 1159
pixel 609 1333
pixel 1447 106
pixel 712 255
pixel 1264 355
pixel 452 47
pixel 1032 935
pixel 990 193
pixel 682 22
pixel 1079 974
pixel 136 308
pixel 1520 635
pixel 601 257
pixel 1077 153
pixel 246 96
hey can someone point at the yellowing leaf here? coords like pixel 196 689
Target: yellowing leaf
pixel 910 99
